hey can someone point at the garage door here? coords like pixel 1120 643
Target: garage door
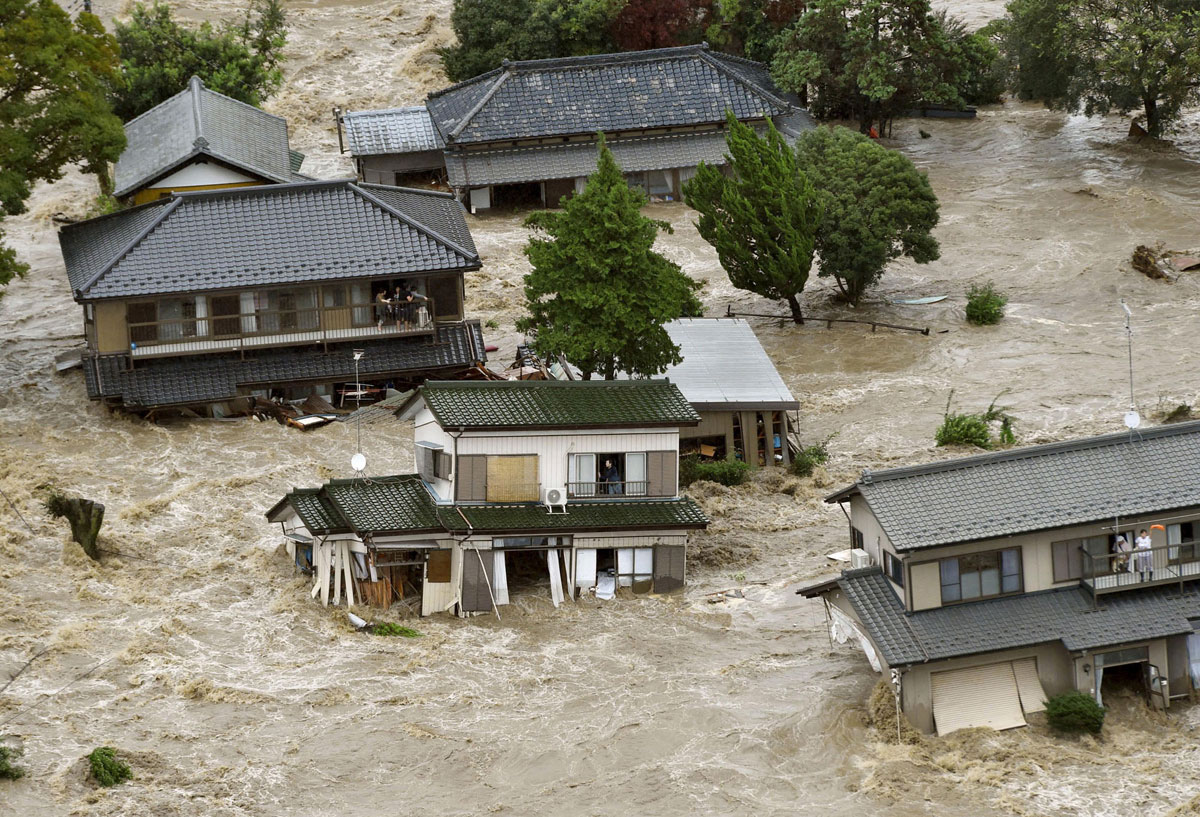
pixel 1033 697
pixel 977 696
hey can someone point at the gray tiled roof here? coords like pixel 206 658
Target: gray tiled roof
pixel 562 161
pixel 396 130
pixel 261 236
pixel 1016 621
pixel 210 378
pixel 1035 488
pixel 441 211
pixel 531 404
pixel 197 121
pixel 667 87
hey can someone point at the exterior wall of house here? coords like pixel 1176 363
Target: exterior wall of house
pixel 1084 672
pixel 875 541
pixel 384 169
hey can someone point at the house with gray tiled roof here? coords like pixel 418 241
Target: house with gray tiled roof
pixel 526 131
pixel 987 582
pixel 201 298
pixel 560 488
pixel 202 140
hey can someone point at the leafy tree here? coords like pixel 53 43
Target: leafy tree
pixel 1108 55
pixel 748 27
pixel 53 110
pixel 876 207
pixel 643 24
pixel 981 69
pixel 159 55
pixel 598 293
pixel 868 60
pixel 763 219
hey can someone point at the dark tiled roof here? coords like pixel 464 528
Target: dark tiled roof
pixel 210 378
pixel 1035 488
pixel 1016 621
pixel 439 211
pixel 609 92
pixel 260 236
pixel 532 404
pixel 316 512
pixel 199 122
pixel 397 130
pixel 628 515
pixel 384 504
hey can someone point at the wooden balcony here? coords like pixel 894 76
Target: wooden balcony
pixel 1159 565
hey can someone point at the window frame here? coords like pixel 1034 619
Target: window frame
pixel 893 568
pixel 978 557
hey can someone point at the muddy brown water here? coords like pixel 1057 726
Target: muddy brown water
pixel 233 693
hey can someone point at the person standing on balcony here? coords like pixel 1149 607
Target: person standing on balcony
pixel 1122 549
pixel 381 308
pixel 610 478
pixel 402 300
pixel 1144 555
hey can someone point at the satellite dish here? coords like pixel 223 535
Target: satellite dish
pixel 1132 419
pixel 358 462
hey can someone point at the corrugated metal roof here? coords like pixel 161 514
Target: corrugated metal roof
pixel 725 367
pixel 396 130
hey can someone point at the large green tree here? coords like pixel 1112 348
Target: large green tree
pixel 868 60
pixel 598 293
pixel 876 207
pixel 1098 56
pixel 53 112
pixel 762 219
pixel 159 55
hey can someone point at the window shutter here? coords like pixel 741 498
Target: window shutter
pixel 660 472
pixel 668 568
pixel 512 478
pixel 438 567
pixel 476 595
pixel 441 465
pixel 425 462
pixel 471 484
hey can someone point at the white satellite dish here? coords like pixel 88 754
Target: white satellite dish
pixel 1132 419
pixel 358 462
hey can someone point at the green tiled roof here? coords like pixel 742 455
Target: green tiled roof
pixel 314 510
pixel 533 404
pixel 620 515
pixel 384 504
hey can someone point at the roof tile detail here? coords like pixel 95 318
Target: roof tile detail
pixel 396 130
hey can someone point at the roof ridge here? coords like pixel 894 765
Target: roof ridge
pixel 485 99
pixel 709 58
pixel 186 90
pixel 544 384
pixel 475 80
pixel 609 58
pixel 372 111
pixel 260 189
pixel 441 194
pixel 416 225
pixel 195 86
pixel 254 108
pixel 168 209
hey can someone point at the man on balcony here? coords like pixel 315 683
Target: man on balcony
pixel 610 477
pixel 1144 556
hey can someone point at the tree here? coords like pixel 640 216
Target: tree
pixel 598 293
pixel 868 60
pixel 748 27
pixel 643 24
pixel 159 55
pixel 1108 55
pixel 53 112
pixel 981 71
pixel 763 219
pixel 876 207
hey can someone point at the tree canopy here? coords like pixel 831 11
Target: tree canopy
pixel 159 55
pixel 54 74
pixel 876 207
pixel 762 219
pixel 1107 55
pixel 598 293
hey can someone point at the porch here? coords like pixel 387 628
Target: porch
pixel 1151 567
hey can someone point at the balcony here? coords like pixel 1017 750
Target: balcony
pixel 1159 565
pixel 235 330
pixel 590 490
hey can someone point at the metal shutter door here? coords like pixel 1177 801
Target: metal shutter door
pixel 668 568
pixel 1033 697
pixel 977 696
pixel 476 596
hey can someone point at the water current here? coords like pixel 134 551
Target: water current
pixel 232 693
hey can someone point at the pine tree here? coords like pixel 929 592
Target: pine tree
pixel 763 219
pixel 598 293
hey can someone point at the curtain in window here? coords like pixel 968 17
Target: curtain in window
pixel 635 474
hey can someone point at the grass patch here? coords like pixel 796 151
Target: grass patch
pixel 491 323
pixel 976 429
pixel 724 472
pixel 985 306
pixel 8 771
pixel 106 769
pixel 1075 712
pixel 394 629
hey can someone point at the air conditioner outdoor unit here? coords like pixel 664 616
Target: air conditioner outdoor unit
pixel 859 558
pixel 555 498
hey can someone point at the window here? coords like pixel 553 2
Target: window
pixel 894 568
pixel 636 473
pixel 441 465
pixel 1069 561
pixel 856 538
pixel 1183 544
pixel 981 575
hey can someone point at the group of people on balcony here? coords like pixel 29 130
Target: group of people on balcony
pixel 401 307
pixel 1139 556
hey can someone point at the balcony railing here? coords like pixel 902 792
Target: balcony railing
pixel 235 331
pixel 1161 564
pixel 583 490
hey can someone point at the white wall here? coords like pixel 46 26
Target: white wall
pixel 199 174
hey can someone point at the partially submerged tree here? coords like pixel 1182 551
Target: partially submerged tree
pixel 159 55
pixel 762 220
pixel 1107 55
pixel 598 293
pixel 54 74
pixel 85 517
pixel 876 207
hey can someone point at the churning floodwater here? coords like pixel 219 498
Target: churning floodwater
pixel 232 693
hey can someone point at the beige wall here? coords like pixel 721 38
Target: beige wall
pixel 111 335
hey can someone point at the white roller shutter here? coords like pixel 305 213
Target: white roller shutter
pixel 977 696
pixel 1033 697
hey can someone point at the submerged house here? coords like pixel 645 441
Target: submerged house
pixel 998 579
pixel 525 132
pixel 570 486
pixel 202 140
pixel 203 297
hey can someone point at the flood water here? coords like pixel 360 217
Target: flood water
pixel 234 694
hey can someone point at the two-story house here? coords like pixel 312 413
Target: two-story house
pixel 199 298
pixel 564 484
pixel 997 579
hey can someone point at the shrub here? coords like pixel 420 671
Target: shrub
pixel 985 305
pixel 1178 414
pixel 976 429
pixel 809 457
pixel 106 769
pixel 7 770
pixel 1075 712
pixel 392 628
pixel 492 323
pixel 725 472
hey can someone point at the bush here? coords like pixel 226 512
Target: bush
pixel 985 305
pixel 1075 712
pixel 976 429
pixel 106 769
pixel 808 458
pixel 392 628
pixel 7 770
pixel 726 472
